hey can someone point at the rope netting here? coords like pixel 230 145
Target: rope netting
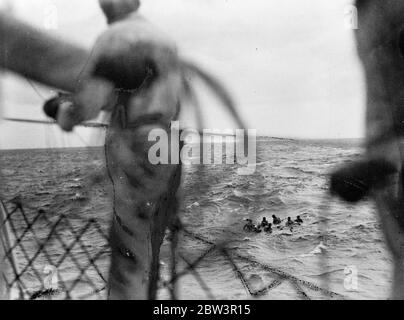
pixel 234 260
pixel 55 263
pixel 58 263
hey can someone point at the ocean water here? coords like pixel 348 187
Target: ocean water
pixel 290 180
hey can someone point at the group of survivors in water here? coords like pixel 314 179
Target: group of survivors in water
pixel 267 227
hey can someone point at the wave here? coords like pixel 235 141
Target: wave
pixel 308 172
pixel 326 273
pixel 319 249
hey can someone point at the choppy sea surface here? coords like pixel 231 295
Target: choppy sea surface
pixel 290 180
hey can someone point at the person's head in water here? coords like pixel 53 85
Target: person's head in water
pixel 289 219
pixel 264 219
pixel 268 228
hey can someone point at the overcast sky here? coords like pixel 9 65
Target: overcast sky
pixel 291 64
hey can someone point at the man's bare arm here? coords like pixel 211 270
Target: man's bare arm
pixel 40 56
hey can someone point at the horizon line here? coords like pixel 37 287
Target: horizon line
pixel 258 136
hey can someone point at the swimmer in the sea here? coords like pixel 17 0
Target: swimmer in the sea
pixel 275 219
pixel 264 222
pixel 268 228
pixel 249 226
pixel 298 220
pixel 257 229
pixel 289 223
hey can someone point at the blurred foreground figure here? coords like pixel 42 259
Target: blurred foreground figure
pixel 139 77
pixel 380 42
pixel 134 73
pixel 40 57
pixel 144 69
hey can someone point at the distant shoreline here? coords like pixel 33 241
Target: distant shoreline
pixel 344 141
pixel 328 141
pixel 53 149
